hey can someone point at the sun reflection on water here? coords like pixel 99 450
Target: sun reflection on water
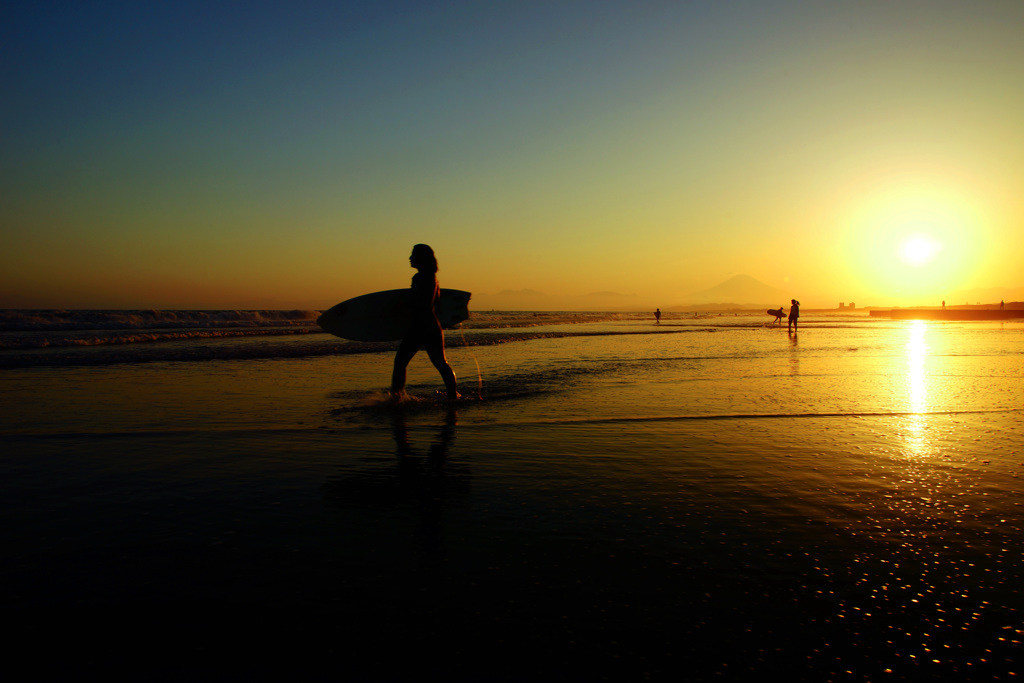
pixel 935 559
pixel 917 390
pixel 917 352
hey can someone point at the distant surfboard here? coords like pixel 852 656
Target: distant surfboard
pixel 385 316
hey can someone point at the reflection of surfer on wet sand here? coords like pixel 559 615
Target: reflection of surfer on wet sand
pixel 421 479
pixel 437 451
pixel 426 328
pixel 426 481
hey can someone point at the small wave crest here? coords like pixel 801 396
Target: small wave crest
pixel 62 339
pixel 80 320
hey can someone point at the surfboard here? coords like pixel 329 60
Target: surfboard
pixel 384 316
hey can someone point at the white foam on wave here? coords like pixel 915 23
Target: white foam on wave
pixel 43 320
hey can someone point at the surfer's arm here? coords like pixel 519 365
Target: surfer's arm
pixel 422 294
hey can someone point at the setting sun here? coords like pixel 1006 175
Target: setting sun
pixel 919 250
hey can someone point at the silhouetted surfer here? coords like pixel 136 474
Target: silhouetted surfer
pixel 426 328
pixel 657 316
pixel 794 314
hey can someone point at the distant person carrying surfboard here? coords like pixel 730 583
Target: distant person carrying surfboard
pixel 426 328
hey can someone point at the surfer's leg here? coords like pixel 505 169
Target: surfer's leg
pixel 435 349
pixel 406 350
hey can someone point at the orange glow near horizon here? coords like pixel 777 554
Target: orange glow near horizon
pixel 916 245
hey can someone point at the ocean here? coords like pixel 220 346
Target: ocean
pixel 213 495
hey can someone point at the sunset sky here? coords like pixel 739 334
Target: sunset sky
pixel 289 154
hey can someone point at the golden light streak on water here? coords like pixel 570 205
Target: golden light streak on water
pixel 917 390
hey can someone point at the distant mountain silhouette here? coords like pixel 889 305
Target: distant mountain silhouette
pixel 741 290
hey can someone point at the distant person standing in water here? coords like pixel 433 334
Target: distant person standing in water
pixel 426 328
pixel 794 314
pixel 657 316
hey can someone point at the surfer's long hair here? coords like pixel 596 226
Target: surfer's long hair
pixel 426 257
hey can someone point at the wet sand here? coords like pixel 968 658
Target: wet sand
pixel 590 517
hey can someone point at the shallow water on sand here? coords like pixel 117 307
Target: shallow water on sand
pixel 705 501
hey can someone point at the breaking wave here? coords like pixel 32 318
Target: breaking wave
pixel 32 338
pixel 75 320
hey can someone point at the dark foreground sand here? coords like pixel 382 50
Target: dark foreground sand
pixel 444 549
